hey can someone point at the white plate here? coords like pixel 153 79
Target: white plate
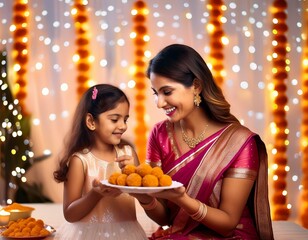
pixel 128 189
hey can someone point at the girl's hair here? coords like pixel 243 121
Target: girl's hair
pixel 96 100
pixel 183 64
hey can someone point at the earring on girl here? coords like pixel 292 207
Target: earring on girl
pixel 197 99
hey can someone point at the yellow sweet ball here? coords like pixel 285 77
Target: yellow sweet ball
pixel 150 180
pixel 113 178
pixel 134 180
pixel 44 232
pixel 121 180
pixel 129 169
pixel 157 171
pixel 165 181
pixel 143 169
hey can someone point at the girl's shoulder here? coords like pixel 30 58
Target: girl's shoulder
pixel 83 155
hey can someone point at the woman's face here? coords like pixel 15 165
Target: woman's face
pixel 174 98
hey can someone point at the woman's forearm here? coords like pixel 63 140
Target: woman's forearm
pixel 154 210
pixel 158 215
pixel 215 219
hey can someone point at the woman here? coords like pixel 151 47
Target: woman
pixel 222 164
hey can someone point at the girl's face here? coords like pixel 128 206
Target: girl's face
pixel 112 124
pixel 176 99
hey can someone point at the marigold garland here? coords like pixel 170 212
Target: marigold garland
pixel 280 75
pixel 216 33
pixel 304 134
pixel 19 28
pixel 81 58
pixel 140 38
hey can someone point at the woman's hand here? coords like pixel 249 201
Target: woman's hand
pixel 170 194
pixel 104 190
pixel 142 198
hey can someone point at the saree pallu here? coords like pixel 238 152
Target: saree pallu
pixel 201 171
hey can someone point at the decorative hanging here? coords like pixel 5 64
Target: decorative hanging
pixel 140 38
pixel 304 133
pixel 280 70
pixel 19 28
pixel 82 57
pixel 217 39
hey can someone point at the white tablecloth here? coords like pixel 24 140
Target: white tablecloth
pixel 52 215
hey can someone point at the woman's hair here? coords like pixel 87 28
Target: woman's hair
pixel 96 100
pixel 183 64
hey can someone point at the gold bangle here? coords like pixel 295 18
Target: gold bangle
pixel 149 206
pixel 201 213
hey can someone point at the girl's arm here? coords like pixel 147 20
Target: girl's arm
pixel 76 206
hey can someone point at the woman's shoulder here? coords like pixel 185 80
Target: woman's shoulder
pixel 239 128
pixel 162 125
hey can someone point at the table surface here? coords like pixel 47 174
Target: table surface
pixel 52 215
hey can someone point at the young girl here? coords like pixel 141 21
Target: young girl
pixel 91 154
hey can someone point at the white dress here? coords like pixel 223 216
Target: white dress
pixel 112 217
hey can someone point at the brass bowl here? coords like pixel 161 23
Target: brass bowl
pixel 18 214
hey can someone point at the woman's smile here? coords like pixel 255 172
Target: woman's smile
pixel 169 112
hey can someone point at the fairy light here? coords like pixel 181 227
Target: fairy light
pixel 217 38
pixel 51 28
pixel 304 133
pixel 140 38
pixel 82 57
pixel 19 29
pixel 15 147
pixel 280 210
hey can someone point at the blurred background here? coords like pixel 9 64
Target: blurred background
pixel 52 51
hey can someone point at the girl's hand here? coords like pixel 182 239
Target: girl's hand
pixel 125 160
pixel 104 190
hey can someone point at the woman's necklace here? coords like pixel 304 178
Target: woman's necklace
pixel 192 142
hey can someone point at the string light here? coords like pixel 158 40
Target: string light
pixel 167 18
pixel 140 38
pixel 14 133
pixel 82 57
pixel 280 210
pixel 20 50
pixel 217 39
pixel 304 134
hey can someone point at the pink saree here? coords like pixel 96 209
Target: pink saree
pixel 202 169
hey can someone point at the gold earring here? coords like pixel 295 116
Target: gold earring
pixel 197 100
